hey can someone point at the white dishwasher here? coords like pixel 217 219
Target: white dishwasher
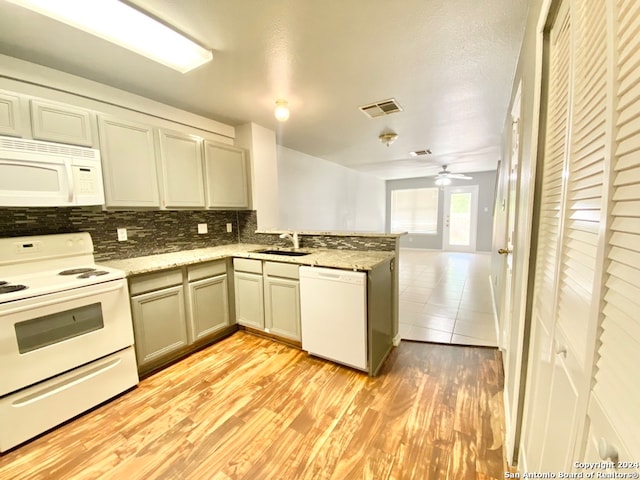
pixel 333 307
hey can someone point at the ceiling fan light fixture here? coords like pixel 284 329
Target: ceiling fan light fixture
pixel 388 138
pixel 119 23
pixel 282 110
pixel 442 182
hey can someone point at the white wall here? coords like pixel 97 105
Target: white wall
pixel 315 194
pixel 261 143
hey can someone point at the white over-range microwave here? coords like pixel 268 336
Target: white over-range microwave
pixel 45 174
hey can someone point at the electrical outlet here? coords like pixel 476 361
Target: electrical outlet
pixel 229 227
pixel 122 234
pixel 202 228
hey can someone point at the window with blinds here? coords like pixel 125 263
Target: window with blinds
pixel 616 380
pixel 414 210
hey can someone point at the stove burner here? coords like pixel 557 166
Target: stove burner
pixel 93 273
pixel 12 288
pixel 76 271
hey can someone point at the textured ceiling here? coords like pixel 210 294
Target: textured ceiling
pixel 449 63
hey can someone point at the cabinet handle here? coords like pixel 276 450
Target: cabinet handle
pixel 606 450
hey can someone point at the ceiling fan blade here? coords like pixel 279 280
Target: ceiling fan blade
pixel 459 176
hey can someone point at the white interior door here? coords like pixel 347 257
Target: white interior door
pixel 511 327
pixel 507 250
pixel 460 218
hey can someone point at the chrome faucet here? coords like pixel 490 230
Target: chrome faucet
pixel 294 239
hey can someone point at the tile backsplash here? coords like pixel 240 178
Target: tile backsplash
pixel 161 231
pixel 148 231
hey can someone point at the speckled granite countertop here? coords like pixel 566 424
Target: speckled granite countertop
pixel 335 234
pixel 344 259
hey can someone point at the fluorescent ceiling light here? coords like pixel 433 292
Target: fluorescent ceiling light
pixel 123 25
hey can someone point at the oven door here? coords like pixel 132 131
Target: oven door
pixel 44 336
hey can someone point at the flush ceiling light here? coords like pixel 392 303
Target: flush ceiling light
pixel 388 138
pixel 123 25
pixel 282 110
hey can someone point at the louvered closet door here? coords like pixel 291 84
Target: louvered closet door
pixel 581 241
pixel 577 307
pixel 552 166
pixel 567 288
pixel 617 387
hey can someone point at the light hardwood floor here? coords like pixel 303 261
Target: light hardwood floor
pixel 251 408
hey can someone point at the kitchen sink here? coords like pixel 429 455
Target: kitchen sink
pixel 287 253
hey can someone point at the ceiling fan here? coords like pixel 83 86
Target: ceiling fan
pixel 444 176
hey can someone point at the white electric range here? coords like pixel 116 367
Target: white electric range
pixel 66 336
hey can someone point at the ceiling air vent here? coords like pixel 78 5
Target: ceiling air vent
pixel 381 108
pixel 420 153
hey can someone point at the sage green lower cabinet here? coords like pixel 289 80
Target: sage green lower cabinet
pixel 249 291
pixel 268 296
pixel 159 323
pixel 176 311
pixel 282 300
pixel 208 301
pixel 379 314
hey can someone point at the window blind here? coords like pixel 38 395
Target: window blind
pixel 414 210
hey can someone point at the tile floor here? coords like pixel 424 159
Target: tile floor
pixel 445 297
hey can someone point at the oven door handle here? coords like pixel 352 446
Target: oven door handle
pixel 47 303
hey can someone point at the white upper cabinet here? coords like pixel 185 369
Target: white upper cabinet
pixel 10 115
pixel 226 176
pixel 154 164
pixel 128 163
pixel 182 183
pixel 61 123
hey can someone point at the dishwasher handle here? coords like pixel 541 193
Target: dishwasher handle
pixel 335 275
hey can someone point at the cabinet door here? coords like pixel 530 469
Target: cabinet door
pixel 128 163
pixel 208 307
pixel 282 307
pixel 10 115
pixel 226 176
pixel 181 166
pixel 249 299
pixel 159 324
pixel 61 123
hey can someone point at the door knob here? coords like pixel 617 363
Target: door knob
pixel 606 450
pixel 504 251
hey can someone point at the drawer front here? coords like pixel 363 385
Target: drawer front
pixel 154 281
pixel 247 265
pixel 205 270
pixel 284 270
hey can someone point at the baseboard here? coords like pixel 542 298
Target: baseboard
pixel 496 319
pixel 396 340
